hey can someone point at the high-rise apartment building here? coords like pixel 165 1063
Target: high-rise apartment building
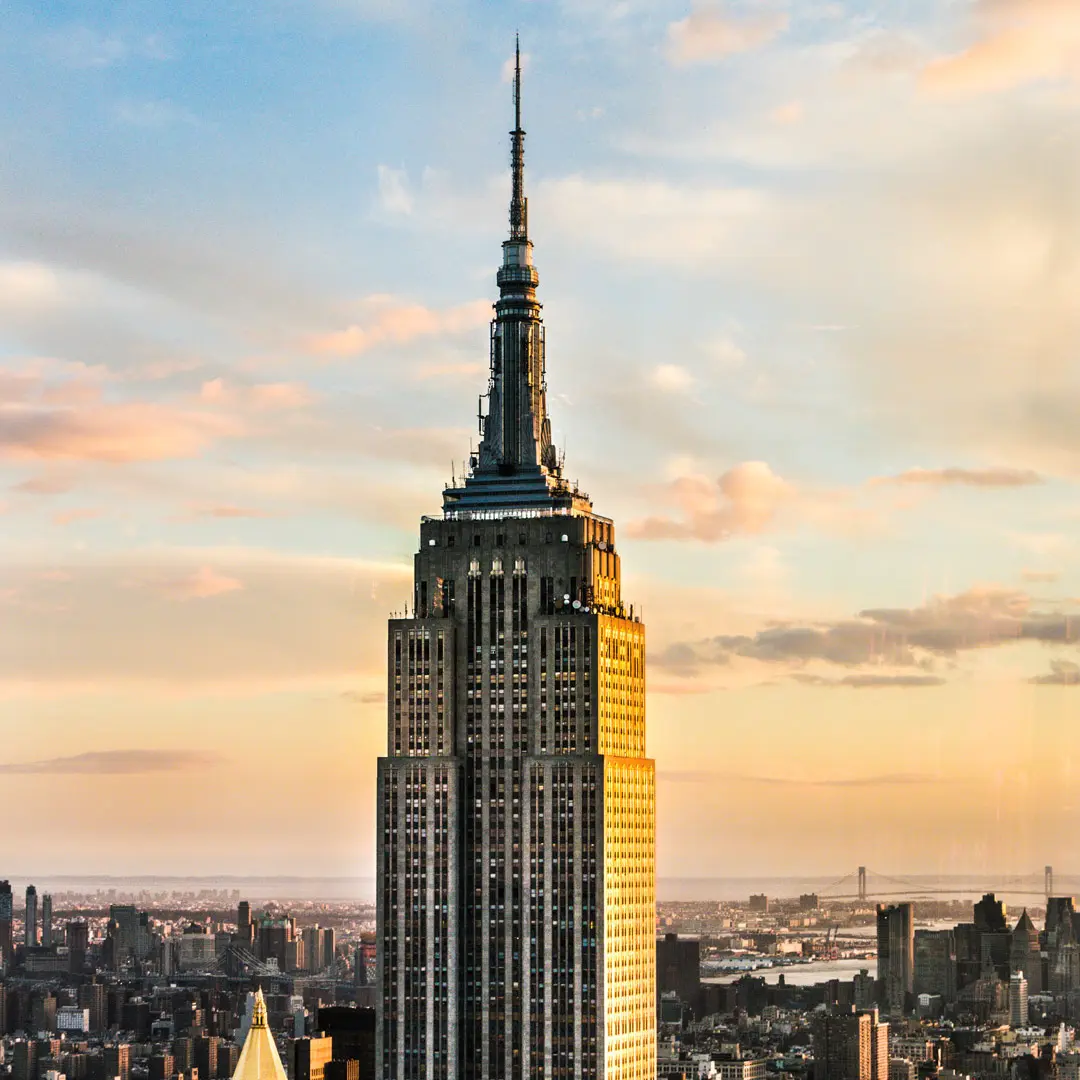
pixel 30 935
pixel 516 806
pixel 850 1046
pixel 896 953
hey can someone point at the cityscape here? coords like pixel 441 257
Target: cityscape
pixel 321 767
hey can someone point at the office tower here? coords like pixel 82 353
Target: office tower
pixel 259 1059
pixel 310 1056
pixel 935 963
pixel 273 938
pixel 353 1035
pixel 896 953
pixel 516 805
pixel 850 1046
pixel 863 990
pixel 312 948
pixel 1025 952
pixel 129 934
pixel 46 920
pixel 1018 1000
pixel 678 968
pixel 6 914
pixel 990 915
pixel 342 1070
pixel 245 928
pixel 30 935
pixel 759 904
pixel 77 934
pixel 994 950
pixel 328 945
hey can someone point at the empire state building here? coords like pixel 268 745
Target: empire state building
pixel 516 807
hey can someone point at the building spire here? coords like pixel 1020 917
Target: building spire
pixel 519 206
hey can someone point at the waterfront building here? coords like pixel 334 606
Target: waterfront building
pixel 516 911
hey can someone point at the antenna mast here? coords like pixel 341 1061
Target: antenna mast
pixel 519 209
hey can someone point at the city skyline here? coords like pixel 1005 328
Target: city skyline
pixel 810 269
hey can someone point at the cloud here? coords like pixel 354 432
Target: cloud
pixel 871 682
pixel 746 499
pixel 69 517
pixel 1062 673
pixel 390 323
pixel 257 397
pixel 1045 577
pixel 394 195
pixel 650 219
pixel 947 626
pixel 108 432
pixel 197 584
pixel 81 46
pixel 709 34
pixel 671 378
pixel 982 478
pixel 230 512
pixel 45 484
pixel 116 763
pixel 1017 42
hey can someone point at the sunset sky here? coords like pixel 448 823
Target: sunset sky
pixel 811 275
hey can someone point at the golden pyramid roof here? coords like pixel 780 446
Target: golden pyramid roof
pixel 259 1059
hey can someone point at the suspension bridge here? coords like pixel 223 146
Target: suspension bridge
pixel 865 884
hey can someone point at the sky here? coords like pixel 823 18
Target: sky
pixel 810 274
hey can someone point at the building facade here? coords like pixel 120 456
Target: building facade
pixel 516 807
pixel 896 953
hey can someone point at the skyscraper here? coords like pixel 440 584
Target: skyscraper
pixel 46 919
pixel 1018 1000
pixel 896 953
pixel 6 913
pixel 516 808
pixel 30 920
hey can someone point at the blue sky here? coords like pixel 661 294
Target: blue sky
pixel 809 274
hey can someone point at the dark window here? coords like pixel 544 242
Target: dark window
pixel 476 540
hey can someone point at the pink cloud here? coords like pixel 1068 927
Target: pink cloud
pixel 394 324
pixel 116 432
pixel 709 33
pixel 1018 42
pixel 258 396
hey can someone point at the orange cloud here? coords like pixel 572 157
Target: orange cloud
pixel 1020 41
pixel 397 324
pixel 118 432
pixel 746 499
pixel 199 584
pixel 68 517
pixel 708 33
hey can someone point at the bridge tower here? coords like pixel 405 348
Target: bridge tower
pixel 862 882
pixel 1049 883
